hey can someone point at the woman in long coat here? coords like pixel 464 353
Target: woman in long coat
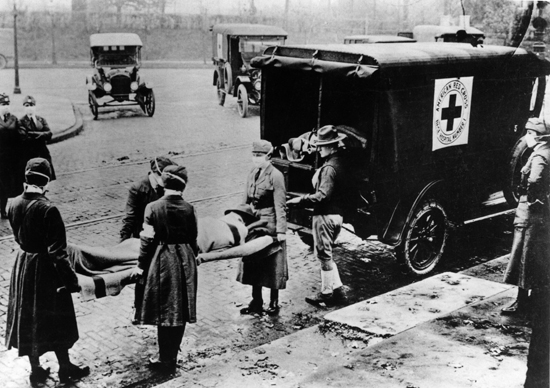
pixel 37 134
pixel 530 255
pixel 266 193
pixel 168 267
pixel 12 163
pixel 40 317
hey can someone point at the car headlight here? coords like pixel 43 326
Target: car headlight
pixel 107 87
pixel 258 85
pixel 134 86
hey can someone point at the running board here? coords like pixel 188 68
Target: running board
pixel 488 216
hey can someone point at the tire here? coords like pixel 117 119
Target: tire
pixel 3 62
pixel 93 105
pixel 221 91
pixel 228 77
pixel 150 104
pixel 242 101
pixel 425 238
pixel 520 154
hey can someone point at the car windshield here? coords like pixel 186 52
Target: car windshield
pixel 116 60
pixel 252 48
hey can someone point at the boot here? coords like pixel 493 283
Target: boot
pixel 273 308
pixel 321 300
pixel 72 372
pixel 518 306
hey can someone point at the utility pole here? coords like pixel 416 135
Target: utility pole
pixel 16 89
pixel 52 15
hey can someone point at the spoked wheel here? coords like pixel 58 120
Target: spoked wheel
pixel 242 101
pixel 425 238
pixel 93 105
pixel 221 91
pixel 3 62
pixel 150 104
pixel 518 159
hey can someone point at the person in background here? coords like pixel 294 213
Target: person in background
pixel 41 314
pixel 328 203
pixel 141 193
pixel 37 133
pixel 167 264
pixel 266 193
pixel 11 162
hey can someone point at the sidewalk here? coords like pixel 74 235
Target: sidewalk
pixel 63 118
pixel 444 331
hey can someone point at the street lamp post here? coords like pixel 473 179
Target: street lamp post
pixel 16 89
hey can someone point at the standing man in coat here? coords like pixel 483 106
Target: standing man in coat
pixel 12 164
pixel 328 204
pixel 167 265
pixel 41 314
pixel 36 134
pixel 141 193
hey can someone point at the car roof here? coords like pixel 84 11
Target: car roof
pixel 380 38
pixel 438 31
pixel 249 29
pixel 369 58
pixel 115 39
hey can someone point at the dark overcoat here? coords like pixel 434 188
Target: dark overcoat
pixel 37 135
pixel 140 194
pixel 267 196
pixel 529 265
pixel 168 259
pixel 39 318
pixel 12 169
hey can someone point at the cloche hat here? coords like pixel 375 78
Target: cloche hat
pixel 175 177
pixel 38 172
pixel 328 135
pixel 159 163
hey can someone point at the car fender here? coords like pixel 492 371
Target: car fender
pixel 241 79
pixel 404 211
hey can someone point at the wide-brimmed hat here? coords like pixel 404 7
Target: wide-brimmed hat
pixel 175 177
pixel 160 163
pixel 4 98
pixel 29 100
pixel 38 171
pixel 262 146
pixel 328 135
pixel 245 211
pixel 541 127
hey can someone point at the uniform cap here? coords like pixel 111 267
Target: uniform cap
pixel 159 163
pixel 245 211
pixel 538 125
pixel 4 98
pixel 175 177
pixel 29 100
pixel 263 146
pixel 38 172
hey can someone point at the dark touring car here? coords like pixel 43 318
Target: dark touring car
pixel 431 129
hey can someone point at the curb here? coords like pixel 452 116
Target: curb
pixel 72 131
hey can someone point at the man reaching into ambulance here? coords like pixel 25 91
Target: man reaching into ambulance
pixel 328 203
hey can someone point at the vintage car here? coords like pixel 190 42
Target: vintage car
pixel 116 82
pixel 233 46
pixel 6 46
pixel 354 39
pixel 432 133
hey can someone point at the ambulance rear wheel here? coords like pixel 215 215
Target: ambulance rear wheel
pixel 425 238
pixel 242 101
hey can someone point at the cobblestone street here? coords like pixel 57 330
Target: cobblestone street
pixel 94 172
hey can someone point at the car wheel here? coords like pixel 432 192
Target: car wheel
pixel 150 104
pixel 93 105
pixel 220 91
pixel 3 62
pixel 425 238
pixel 242 101
pixel 519 156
